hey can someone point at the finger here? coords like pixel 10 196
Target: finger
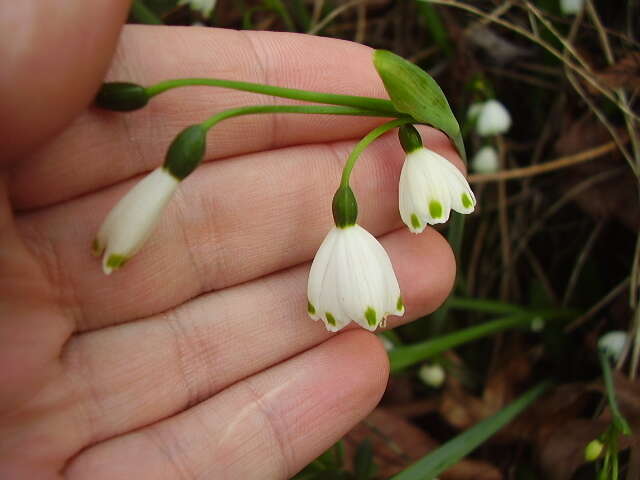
pixel 235 220
pixel 169 362
pixel 53 60
pixel 103 148
pixel 268 426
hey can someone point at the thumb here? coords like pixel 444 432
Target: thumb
pixel 54 56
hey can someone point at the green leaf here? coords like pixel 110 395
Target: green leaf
pixel 454 450
pixel 405 356
pixel 413 91
pixel 364 461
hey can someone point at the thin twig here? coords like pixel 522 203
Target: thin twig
pixel 548 47
pixel 582 258
pixel 333 14
pixel 562 162
pixel 603 302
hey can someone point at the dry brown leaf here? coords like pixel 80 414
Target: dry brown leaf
pixel 398 443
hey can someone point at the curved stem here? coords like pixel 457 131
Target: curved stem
pixel 367 103
pixel 306 109
pixel 364 143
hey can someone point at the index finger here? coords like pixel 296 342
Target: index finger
pixel 103 148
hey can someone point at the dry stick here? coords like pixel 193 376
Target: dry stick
pixel 318 5
pixel 478 242
pixel 566 198
pixel 603 302
pixel 562 162
pixel 552 50
pixel 361 25
pixel 539 271
pixel 333 14
pixel 505 245
pixel 582 258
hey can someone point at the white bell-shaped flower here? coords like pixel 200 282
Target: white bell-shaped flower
pixel 613 343
pixel 493 119
pixel 485 160
pixel 131 221
pixel 430 187
pixel 351 279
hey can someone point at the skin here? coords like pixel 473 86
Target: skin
pixel 197 360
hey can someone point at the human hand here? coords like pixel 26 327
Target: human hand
pixel 197 360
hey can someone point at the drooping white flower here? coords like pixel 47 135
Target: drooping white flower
pixel 132 220
pixel 203 6
pixel 485 160
pixel 571 7
pixel 493 119
pixel 430 187
pixel 613 343
pixel 352 279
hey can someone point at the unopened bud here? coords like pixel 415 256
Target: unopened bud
pixel 121 96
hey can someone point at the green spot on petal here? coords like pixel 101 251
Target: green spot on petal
pixel 311 309
pixel 116 261
pixel 435 209
pixel 466 200
pixel 370 315
pixel 415 222
pixel 399 304
pixel 330 319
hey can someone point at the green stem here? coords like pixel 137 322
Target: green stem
pixel 143 14
pixel 618 419
pixel 306 109
pixel 367 103
pixel 364 143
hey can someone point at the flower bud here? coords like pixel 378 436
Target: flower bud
pixel 493 119
pixel 121 96
pixel 593 450
pixel 613 343
pixel 485 160
pixel 571 7
pixel 186 151
pixel 432 375
pixel 345 207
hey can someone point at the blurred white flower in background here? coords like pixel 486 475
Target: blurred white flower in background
pixel 493 119
pixel 205 7
pixel 571 7
pixel 485 160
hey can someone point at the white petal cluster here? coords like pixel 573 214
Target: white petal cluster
pixel 613 343
pixel 351 279
pixel 485 160
pixel 203 6
pixel 132 220
pixel 430 187
pixel 571 7
pixel 492 119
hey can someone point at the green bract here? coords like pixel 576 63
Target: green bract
pixel 186 151
pixel 345 207
pixel 414 92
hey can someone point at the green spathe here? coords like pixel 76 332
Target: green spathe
pixel 186 151
pixel 345 207
pixel 121 96
pixel 413 91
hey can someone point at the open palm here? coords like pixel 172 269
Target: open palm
pixel 197 360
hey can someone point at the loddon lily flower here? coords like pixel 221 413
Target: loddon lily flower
pixel 131 221
pixel 430 185
pixel 351 277
pixel 493 119
pixel 485 160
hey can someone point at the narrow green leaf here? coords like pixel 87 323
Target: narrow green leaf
pixel 415 92
pixel 454 450
pixel 405 356
pixel 364 461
